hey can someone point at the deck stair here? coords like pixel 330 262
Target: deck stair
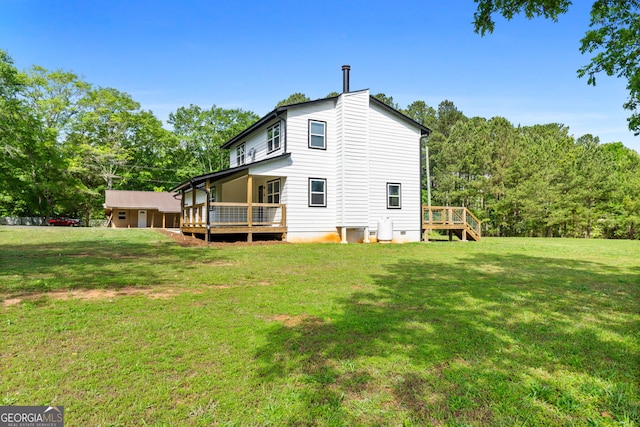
pixel 458 221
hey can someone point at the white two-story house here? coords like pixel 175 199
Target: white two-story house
pixel 333 169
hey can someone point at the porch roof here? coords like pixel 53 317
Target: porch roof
pixel 196 180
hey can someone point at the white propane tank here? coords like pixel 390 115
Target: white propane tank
pixel 385 230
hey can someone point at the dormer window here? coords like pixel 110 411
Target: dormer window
pixel 240 154
pixel 273 138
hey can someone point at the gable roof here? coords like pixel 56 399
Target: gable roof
pixel 162 201
pixel 279 110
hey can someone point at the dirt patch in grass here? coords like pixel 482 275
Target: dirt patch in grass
pixel 293 321
pixel 92 294
pixel 183 240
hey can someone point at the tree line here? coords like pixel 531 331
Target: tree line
pixel 65 141
pixel 530 180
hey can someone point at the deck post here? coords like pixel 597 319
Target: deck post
pixel 284 216
pixel 192 217
pixel 249 200
pixel 343 233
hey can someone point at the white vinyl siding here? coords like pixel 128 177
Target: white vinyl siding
pixel 367 147
pixel 303 164
pixel 395 158
pixel 353 162
pixel 256 145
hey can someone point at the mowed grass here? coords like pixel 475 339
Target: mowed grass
pixel 125 327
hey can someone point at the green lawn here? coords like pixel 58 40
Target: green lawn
pixel 127 328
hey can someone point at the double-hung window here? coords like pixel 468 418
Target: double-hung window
pixel 240 154
pixel 273 138
pixel 317 134
pixel 394 196
pixel 273 191
pixel 317 192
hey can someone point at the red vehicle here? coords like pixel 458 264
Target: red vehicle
pixel 64 222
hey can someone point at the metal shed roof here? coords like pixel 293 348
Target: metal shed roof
pixel 162 201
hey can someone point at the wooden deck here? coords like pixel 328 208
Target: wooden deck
pixel 457 220
pixel 245 219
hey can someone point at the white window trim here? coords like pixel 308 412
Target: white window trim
pixel 324 193
pixel 399 196
pixel 323 135
pixel 271 146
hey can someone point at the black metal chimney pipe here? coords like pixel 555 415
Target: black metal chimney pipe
pixel 345 78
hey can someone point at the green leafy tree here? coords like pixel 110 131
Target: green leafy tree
pixel 16 126
pixel 614 36
pixel 49 100
pixel 622 216
pixel 615 39
pixel 386 100
pixel 295 98
pixel 420 112
pixel 202 133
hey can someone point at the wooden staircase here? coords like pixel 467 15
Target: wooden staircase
pixel 457 220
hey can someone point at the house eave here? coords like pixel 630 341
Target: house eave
pixel 197 180
pixel 272 115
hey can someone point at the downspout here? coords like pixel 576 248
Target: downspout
pixel 426 158
pixel 428 171
pixel 285 134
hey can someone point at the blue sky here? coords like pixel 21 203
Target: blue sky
pixel 250 55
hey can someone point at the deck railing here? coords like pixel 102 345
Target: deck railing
pixel 223 214
pixel 450 217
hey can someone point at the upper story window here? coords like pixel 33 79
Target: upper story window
pixel 273 138
pixel 240 154
pixel 317 134
pixel 318 192
pixel 394 196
